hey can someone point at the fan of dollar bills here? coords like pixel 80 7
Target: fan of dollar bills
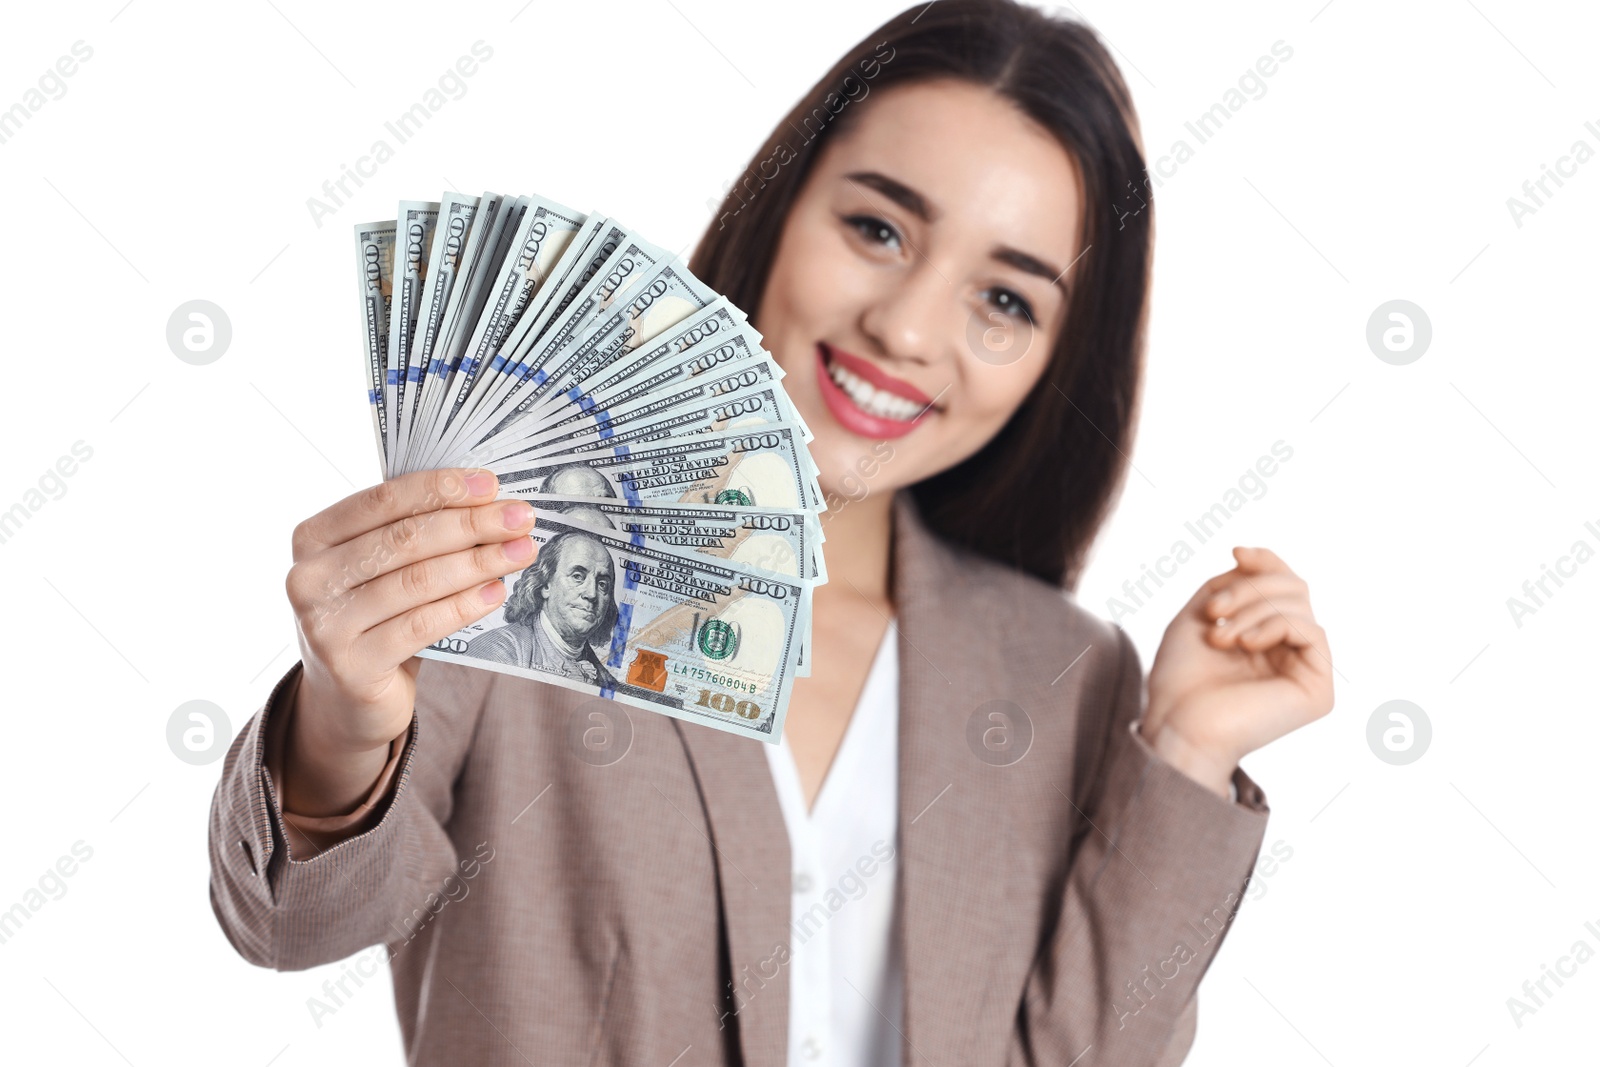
pixel 635 409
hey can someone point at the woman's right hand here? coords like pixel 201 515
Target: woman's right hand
pixel 377 577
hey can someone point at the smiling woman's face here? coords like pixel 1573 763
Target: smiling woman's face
pixel 920 281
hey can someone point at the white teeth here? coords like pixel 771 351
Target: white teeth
pixel 871 399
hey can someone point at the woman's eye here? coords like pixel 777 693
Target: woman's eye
pixel 1010 303
pixel 873 229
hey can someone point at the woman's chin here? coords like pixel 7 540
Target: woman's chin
pixel 852 471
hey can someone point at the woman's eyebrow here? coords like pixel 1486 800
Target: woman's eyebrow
pixel 897 191
pixel 1029 264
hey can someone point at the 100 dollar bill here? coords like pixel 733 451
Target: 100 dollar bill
pixel 375 277
pixel 786 540
pixel 782 540
pixel 766 466
pixel 413 241
pixel 744 397
pixel 683 634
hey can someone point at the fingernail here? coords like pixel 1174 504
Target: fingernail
pixel 491 592
pixel 518 550
pixel 516 515
pixel 480 482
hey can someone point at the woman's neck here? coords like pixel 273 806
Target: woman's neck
pixel 857 547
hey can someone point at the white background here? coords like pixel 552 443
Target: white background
pixel 1418 499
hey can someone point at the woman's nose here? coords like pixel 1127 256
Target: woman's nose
pixel 910 315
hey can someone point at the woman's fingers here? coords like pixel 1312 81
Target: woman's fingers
pixel 1253 634
pixel 1228 629
pixel 376 506
pixel 1278 630
pixel 1223 626
pixel 1312 665
pixel 429 580
pixel 1262 563
pixel 1259 560
pixel 1232 593
pixel 403 636
pixel 408 556
pixel 413 539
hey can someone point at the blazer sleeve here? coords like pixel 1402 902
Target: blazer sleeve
pixel 287 904
pixel 1158 867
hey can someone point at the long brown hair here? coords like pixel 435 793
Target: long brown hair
pixel 1036 494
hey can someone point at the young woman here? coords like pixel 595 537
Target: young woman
pixel 978 841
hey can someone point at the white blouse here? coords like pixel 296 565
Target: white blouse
pixel 846 984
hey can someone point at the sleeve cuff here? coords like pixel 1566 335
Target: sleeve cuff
pixel 311 828
pixel 1163 821
pixel 1242 789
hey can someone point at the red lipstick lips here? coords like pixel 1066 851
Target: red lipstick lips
pixel 851 415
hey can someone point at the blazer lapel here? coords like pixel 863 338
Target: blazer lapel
pixel 751 845
pixel 956 872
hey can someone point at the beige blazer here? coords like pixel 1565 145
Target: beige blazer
pixel 544 902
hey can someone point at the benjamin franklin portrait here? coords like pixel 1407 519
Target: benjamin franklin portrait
pixel 577 479
pixel 559 607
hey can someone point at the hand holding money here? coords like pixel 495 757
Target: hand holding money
pixel 376 578
pixel 637 411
